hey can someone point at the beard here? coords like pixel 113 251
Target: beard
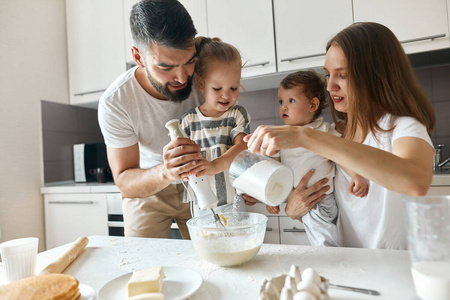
pixel 176 96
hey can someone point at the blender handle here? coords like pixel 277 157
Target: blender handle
pixel 205 197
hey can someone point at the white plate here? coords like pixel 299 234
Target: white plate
pixel 86 292
pixel 180 283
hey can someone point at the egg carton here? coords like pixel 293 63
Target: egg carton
pixel 296 285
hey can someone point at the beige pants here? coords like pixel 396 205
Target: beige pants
pixel 152 216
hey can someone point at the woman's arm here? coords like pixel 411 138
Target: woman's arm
pixel 407 170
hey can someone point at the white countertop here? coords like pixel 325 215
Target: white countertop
pixel 64 187
pixel 70 187
pixel 105 258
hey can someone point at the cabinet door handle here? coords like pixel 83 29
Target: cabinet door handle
pixel 431 37
pixel 302 57
pixel 115 224
pixel 257 64
pixel 87 93
pixel 70 202
pixel 294 229
pixel 269 229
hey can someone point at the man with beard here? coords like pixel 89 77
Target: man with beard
pixel 133 111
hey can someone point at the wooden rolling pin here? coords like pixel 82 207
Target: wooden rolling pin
pixel 61 263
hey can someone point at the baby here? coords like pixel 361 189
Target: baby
pixel 302 97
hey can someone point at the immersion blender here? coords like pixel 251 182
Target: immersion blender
pixel 205 197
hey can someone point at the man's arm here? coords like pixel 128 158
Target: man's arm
pixel 179 156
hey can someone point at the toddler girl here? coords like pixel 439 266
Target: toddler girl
pixel 219 125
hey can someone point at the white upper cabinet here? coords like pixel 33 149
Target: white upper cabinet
pixel 127 6
pixel 196 9
pixel 94 45
pixel 303 28
pixel 247 25
pixel 421 25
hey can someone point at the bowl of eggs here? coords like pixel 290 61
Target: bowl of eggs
pixel 235 243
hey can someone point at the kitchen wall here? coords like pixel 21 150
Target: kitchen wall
pixel 62 127
pixel 33 64
pixel 65 125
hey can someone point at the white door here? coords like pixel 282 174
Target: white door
pixel 95 47
pixel 247 25
pixel 303 28
pixel 420 25
pixel 69 216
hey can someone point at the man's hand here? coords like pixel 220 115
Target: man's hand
pixel 180 158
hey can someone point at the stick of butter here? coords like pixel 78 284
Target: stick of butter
pixel 145 281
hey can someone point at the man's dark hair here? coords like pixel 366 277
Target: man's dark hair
pixel 162 22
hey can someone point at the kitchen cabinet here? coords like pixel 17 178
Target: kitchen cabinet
pixel 94 45
pixel 272 230
pixel 303 28
pixel 419 25
pixel 247 25
pixel 128 40
pixel 196 8
pixel 69 216
pixel 281 229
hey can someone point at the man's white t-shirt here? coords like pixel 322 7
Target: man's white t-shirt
pixel 128 115
pixel 377 220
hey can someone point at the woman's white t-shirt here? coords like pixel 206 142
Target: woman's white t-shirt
pixel 377 220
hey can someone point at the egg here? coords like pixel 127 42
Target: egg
pixel 311 275
pixel 309 287
pixel 304 296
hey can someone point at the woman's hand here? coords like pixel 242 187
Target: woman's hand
pixel 302 199
pixel 268 140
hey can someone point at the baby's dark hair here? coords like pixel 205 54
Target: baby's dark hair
pixel 213 49
pixel 313 86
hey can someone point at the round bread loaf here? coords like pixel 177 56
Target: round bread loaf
pixel 47 286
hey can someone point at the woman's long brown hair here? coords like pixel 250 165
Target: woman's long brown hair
pixel 381 81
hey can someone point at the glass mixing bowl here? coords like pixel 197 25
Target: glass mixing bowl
pixel 233 245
